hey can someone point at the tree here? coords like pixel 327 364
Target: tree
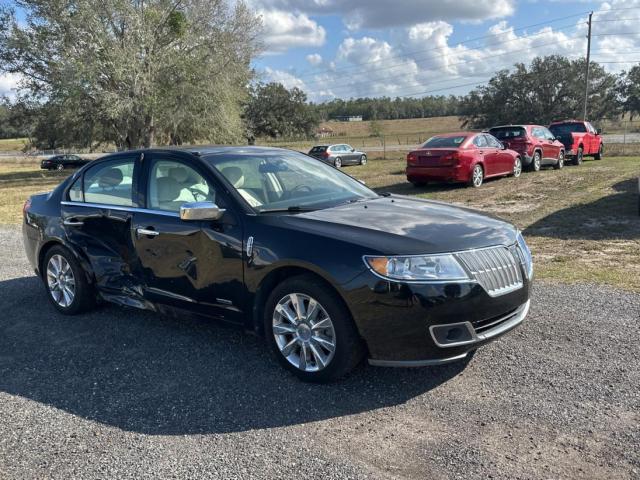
pixel 551 88
pixel 135 69
pixel 273 111
pixel 629 87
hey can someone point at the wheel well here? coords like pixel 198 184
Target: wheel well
pixel 537 149
pixel 43 253
pixel 272 280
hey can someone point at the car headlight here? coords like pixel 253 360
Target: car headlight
pixel 525 256
pixel 417 267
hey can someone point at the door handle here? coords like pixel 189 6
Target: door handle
pixel 141 232
pixel 73 223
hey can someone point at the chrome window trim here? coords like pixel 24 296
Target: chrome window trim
pixel 120 208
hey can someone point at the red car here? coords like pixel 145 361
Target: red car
pixel 462 157
pixel 535 143
pixel 579 138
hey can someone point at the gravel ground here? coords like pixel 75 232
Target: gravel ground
pixel 127 394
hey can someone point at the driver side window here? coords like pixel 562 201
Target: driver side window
pixel 172 183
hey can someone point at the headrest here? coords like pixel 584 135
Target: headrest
pixel 234 175
pixel 168 189
pixel 111 177
pixel 180 174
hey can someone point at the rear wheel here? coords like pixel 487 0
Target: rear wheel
pixel 60 167
pixel 311 331
pixel 600 154
pixel 363 160
pixel 477 176
pixel 517 167
pixel 337 162
pixel 536 163
pixel 579 157
pixel 66 283
pixel 560 162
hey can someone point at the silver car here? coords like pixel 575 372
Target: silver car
pixel 339 155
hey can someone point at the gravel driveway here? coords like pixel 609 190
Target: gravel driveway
pixel 127 394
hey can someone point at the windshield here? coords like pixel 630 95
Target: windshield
pixel 282 180
pixel 564 128
pixel 445 142
pixel 508 133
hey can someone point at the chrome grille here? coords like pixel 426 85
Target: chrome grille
pixel 496 269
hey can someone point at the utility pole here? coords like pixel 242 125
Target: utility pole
pixel 586 77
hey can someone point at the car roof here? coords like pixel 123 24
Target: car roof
pixel 456 134
pixel 521 125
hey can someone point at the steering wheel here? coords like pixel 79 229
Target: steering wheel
pixel 197 192
pixel 300 187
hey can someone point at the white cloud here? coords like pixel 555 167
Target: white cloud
pixel 314 59
pixel 283 30
pixel 285 78
pixel 8 83
pixel 380 14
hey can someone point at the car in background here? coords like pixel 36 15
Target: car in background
pixel 464 157
pixel 62 162
pixel 536 145
pixel 580 139
pixel 327 270
pixel 338 155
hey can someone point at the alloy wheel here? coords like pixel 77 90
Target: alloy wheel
pixel 304 332
pixel 536 162
pixel 477 176
pixel 561 160
pixel 363 160
pixel 517 167
pixel 60 280
pixel 338 162
pixel 60 167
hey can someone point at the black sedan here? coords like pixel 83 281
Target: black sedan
pixel 61 162
pixel 285 246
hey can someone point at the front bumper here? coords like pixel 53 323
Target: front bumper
pixel 403 323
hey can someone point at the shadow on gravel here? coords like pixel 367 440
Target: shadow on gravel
pixel 142 372
pixel 612 217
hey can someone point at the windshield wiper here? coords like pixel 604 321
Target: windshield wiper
pixel 293 208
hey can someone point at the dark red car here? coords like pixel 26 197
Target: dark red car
pixel 465 157
pixel 537 146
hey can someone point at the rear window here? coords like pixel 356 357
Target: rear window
pixel 445 142
pixel 507 133
pixel 564 128
pixel 318 149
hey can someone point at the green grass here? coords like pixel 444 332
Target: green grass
pixel 13 144
pixel 581 222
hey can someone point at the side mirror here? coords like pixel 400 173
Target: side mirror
pixel 502 146
pixel 598 131
pixel 362 181
pixel 200 211
pixel 353 149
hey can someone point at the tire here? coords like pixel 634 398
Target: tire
pixel 560 162
pixel 600 154
pixel 75 294
pixel 579 157
pixel 517 167
pixel 536 162
pixel 337 162
pixel 477 176
pixel 363 160
pixel 60 167
pixel 348 349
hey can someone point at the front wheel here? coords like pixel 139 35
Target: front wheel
pixel 363 160
pixel 311 331
pixel 600 154
pixel 517 167
pixel 477 176
pixel 60 167
pixel 560 162
pixel 66 283
pixel 337 162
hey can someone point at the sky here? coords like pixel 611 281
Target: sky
pixel 368 48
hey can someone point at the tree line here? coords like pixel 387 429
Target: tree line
pixel 136 73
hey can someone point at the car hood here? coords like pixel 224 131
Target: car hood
pixel 405 225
